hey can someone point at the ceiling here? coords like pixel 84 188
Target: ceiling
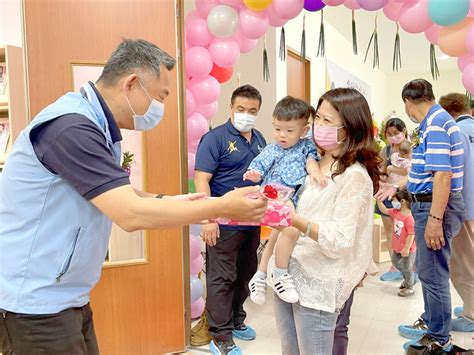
pixel 415 49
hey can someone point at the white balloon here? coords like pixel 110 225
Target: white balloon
pixel 223 21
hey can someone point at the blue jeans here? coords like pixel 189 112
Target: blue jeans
pixel 303 330
pixel 433 265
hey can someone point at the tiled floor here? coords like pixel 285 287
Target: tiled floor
pixel 376 313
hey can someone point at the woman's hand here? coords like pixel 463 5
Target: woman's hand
pixel 252 175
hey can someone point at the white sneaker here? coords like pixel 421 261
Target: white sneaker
pixel 258 290
pixel 284 287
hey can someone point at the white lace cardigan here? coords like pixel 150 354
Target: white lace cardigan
pixel 326 271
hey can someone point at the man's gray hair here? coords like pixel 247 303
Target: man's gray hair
pixel 135 55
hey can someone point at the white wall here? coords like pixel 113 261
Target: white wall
pixel 339 51
pixel 10 23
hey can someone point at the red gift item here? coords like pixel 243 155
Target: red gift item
pixel 270 192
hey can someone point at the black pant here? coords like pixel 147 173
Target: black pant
pixel 230 265
pixel 341 337
pixel 70 332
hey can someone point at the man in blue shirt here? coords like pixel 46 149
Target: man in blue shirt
pixel 222 158
pixel 462 260
pixel 60 190
pixel 435 183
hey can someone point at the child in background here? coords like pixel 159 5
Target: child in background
pixel 400 163
pixel 286 162
pixel 403 239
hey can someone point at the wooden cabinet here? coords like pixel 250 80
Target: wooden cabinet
pixel 13 111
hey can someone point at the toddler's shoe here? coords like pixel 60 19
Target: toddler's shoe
pixel 258 290
pixel 284 287
pixel 406 292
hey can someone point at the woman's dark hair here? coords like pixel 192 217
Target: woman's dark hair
pixel 418 90
pixel 291 109
pixel 403 195
pixel 360 144
pixel 397 123
pixel 247 91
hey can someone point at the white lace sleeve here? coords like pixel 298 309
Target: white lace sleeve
pixel 336 237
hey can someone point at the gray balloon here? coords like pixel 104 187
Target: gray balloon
pixel 223 21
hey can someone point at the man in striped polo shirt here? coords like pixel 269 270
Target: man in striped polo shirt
pixel 435 183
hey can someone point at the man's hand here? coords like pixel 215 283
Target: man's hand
pixel 186 197
pixel 434 236
pixel 210 233
pixel 318 178
pixel 236 205
pixel 252 175
pixel 385 191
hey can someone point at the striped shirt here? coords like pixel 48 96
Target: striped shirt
pixel 440 149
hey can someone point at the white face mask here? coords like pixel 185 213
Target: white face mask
pixel 244 122
pixel 396 204
pixel 152 116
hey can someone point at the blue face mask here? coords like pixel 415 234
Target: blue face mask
pixel 152 116
pixel 309 134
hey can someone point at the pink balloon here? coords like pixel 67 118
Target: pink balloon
pixel 253 24
pixel 193 15
pixel 464 61
pixel 193 146
pixel 333 2
pixel 414 17
pixel 205 90
pixel 225 52
pixel 198 62
pixel 392 10
pixel 197 126
pixel 208 110
pixel 468 78
pixel 194 246
pixel 432 33
pixel 245 44
pixel 470 39
pixel 287 9
pixel 197 33
pixel 196 265
pixel 352 4
pixel 191 162
pixel 273 19
pixel 190 103
pixel 205 6
pixel 372 5
pixel 236 4
pixel 197 308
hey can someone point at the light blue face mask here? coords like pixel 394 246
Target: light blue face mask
pixel 152 116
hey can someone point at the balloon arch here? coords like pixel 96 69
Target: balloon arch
pixel 219 31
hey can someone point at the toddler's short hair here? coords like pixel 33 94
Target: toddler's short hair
pixel 291 109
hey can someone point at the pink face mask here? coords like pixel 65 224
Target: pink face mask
pixel 400 137
pixel 326 137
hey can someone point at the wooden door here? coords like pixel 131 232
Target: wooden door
pixel 138 309
pixel 298 76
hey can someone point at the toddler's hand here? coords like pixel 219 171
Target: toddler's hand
pixel 405 252
pixel 389 169
pixel 318 178
pixel 252 175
